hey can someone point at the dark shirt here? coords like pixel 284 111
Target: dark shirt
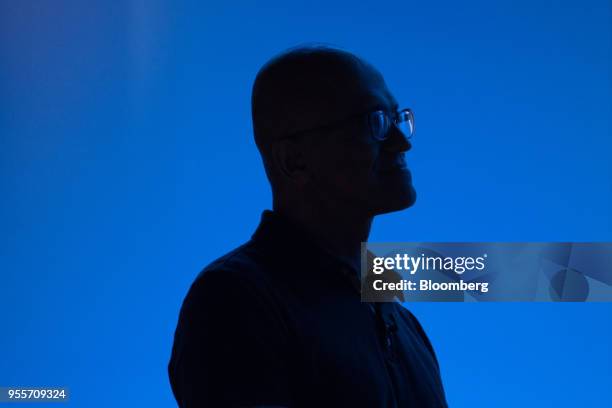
pixel 279 322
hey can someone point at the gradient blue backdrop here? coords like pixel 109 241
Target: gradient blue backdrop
pixel 127 164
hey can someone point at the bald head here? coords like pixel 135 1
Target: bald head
pixel 309 87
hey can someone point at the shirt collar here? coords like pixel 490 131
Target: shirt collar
pixel 290 244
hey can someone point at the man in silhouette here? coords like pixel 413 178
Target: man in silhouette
pixel 278 322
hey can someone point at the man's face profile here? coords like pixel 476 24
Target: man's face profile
pixel 324 146
pixel 360 171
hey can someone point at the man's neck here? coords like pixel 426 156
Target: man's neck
pixel 340 234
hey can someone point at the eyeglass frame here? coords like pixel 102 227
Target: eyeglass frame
pixel 394 121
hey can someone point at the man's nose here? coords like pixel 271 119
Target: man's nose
pixel 396 140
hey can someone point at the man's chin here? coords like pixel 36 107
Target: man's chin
pixel 399 201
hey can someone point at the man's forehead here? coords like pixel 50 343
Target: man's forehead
pixel 365 91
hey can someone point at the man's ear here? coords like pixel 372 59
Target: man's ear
pixel 290 159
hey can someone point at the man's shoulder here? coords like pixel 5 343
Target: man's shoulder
pixel 239 262
pixel 240 273
pixel 410 319
pixel 415 326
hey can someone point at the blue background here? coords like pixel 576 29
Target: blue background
pixel 127 164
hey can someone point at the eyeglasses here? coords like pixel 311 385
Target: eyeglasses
pixel 379 123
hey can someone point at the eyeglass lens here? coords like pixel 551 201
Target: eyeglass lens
pixel 380 122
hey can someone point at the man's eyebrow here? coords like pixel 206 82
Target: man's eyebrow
pixel 385 107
